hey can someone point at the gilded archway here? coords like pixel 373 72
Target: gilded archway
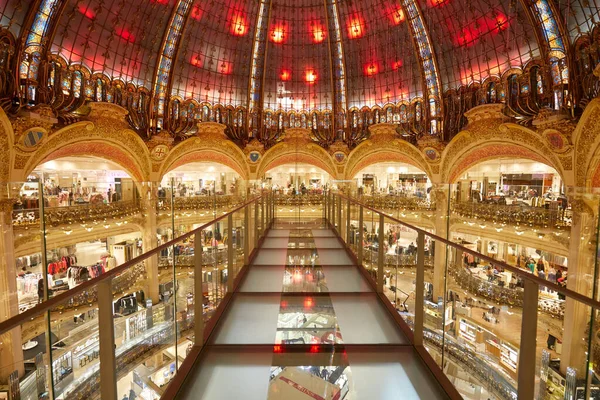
pixel 6 145
pixel 586 142
pixel 211 145
pixel 384 146
pixel 296 147
pixel 105 135
pixel 493 139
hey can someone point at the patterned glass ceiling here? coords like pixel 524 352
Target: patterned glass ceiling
pixel 379 59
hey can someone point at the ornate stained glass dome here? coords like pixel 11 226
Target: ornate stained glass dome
pixel 334 67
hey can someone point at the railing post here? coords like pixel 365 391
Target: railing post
pixel 325 205
pixel 246 234
pixel 419 287
pixel 360 235
pixel 333 214
pixel 348 221
pixel 342 222
pixel 256 206
pixel 198 291
pixel 262 216
pixel 266 209
pixel 230 267
pixel 527 356
pixel 339 215
pixel 271 201
pixel 108 364
pixel 380 255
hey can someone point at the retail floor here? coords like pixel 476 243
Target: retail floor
pixel 304 324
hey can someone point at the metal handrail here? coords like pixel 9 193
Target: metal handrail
pixel 542 282
pixel 17 320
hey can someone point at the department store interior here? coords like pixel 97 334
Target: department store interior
pixel 299 199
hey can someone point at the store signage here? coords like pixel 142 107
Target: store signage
pixel 306 391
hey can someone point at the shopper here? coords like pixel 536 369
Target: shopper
pixel 40 290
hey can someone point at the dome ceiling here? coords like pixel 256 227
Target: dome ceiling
pixel 303 55
pixel 472 40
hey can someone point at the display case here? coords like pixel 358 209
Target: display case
pixel 509 357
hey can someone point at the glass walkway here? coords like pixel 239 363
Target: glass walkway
pixel 304 323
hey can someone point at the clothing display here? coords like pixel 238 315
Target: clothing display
pixel 62 265
pixel 76 275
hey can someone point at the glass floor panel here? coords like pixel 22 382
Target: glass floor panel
pixel 353 373
pixel 307 331
pixel 275 243
pixel 334 257
pixel 230 374
pixel 271 257
pixel 278 233
pixel 264 279
pixel 305 279
pixel 391 373
pixel 323 233
pixel 328 243
pixel 250 319
pixel 364 320
pixel 345 279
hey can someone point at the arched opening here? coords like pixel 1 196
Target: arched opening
pixel 513 210
pixel 299 187
pixel 509 181
pixel 193 193
pixel 391 177
pixel 203 178
pixel 85 206
pixel 297 178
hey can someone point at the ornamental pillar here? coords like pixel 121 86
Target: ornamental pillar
pixel 150 241
pixel 581 265
pixel 439 195
pixel 11 354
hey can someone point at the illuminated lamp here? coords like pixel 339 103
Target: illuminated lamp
pixel 308 302
pixel 437 3
pixel 468 36
pixel 277 348
pixel 196 60
pixel 318 34
pixel 196 13
pixel 283 304
pixel 285 75
pixel 397 65
pixel 311 76
pixel 278 34
pixel 356 27
pixel 371 69
pixel 314 348
pixel 238 25
pixel 225 67
pixel 125 35
pixel 500 23
pixel 397 16
pixel 86 12
pixel 161 1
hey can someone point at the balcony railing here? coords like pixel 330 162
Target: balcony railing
pixel 523 215
pixel 453 314
pixel 182 309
